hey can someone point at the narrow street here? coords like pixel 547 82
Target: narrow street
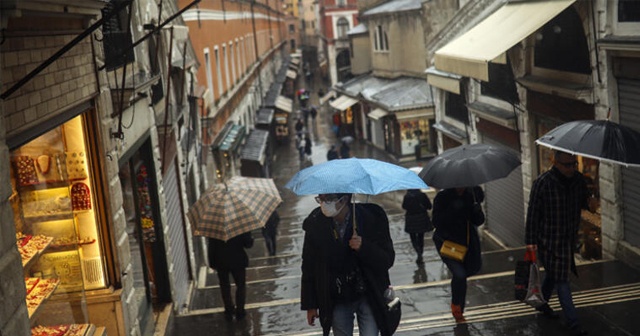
pixel 605 294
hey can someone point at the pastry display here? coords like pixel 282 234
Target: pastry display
pixel 76 165
pixel 43 163
pixel 40 292
pixel 25 170
pixel 80 197
pixel 61 330
pixel 30 246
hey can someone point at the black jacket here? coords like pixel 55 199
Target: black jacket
pixel 451 214
pixel 416 203
pixel 324 257
pixel 230 254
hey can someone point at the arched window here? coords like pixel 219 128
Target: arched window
pixel 343 27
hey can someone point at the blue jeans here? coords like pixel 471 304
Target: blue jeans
pixel 458 282
pixel 564 296
pixel 343 314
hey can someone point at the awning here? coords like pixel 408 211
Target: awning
pixel 377 114
pixel 451 131
pixel 343 103
pixel 230 139
pixel 292 74
pixel 444 80
pixel 329 95
pixel 285 104
pixel 421 113
pixel 469 54
pixel 255 147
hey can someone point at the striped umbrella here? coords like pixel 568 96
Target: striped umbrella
pixel 239 205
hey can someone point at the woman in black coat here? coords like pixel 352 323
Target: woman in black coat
pixel 230 258
pixel 416 220
pixel 456 215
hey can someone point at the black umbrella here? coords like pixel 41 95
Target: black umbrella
pixel 469 165
pixel 603 140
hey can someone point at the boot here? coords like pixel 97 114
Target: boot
pixel 456 311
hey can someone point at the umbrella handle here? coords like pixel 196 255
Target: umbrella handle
pixel 355 224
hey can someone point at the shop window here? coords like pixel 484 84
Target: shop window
pixel 117 39
pixel 58 231
pixel 501 84
pixel 561 44
pixel 456 108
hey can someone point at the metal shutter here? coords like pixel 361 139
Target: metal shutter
pixel 504 205
pixel 181 274
pixel 629 105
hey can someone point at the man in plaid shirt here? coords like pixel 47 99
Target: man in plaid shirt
pixel 553 219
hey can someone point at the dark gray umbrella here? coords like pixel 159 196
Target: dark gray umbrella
pixel 603 140
pixel 469 165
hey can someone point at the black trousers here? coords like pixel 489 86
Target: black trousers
pixel 417 241
pixel 239 278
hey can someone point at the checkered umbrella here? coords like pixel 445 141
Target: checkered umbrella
pixel 230 209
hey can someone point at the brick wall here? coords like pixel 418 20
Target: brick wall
pixel 64 83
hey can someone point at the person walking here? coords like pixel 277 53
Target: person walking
pixel 416 219
pixel 345 271
pixel 456 215
pixel 553 219
pixel 269 232
pixel 345 151
pixel 332 153
pixel 230 258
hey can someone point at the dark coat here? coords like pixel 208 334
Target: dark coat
pixel 230 254
pixel 451 214
pixel 324 257
pixel 553 220
pixel 271 227
pixel 416 203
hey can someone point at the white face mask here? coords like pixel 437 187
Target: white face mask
pixel 329 208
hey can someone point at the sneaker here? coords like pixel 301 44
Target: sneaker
pixel 547 311
pixel 240 314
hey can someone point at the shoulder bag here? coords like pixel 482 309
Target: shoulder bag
pixel 453 250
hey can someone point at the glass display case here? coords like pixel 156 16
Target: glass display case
pixel 57 228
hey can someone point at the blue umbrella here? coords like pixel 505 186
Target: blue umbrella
pixel 354 176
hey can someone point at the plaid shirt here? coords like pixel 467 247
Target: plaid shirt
pixel 553 220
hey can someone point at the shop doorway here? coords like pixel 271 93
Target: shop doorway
pixel 148 261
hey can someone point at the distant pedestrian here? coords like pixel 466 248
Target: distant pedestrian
pixel 332 153
pixel 417 221
pixel 305 115
pixel 456 215
pixel 345 151
pixel 336 123
pixel 553 219
pixel 269 232
pixel 228 258
pixel 302 145
pixel 307 144
pixel 313 112
pixel 299 125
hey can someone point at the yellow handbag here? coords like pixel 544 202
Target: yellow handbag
pixel 453 250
